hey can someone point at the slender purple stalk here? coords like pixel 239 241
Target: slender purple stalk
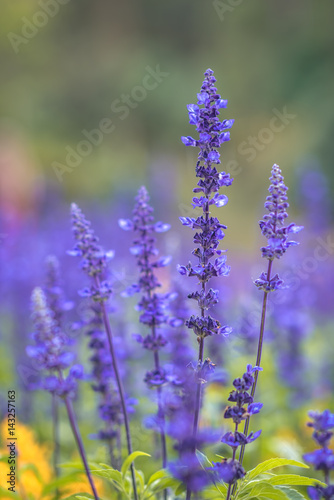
pixel 119 385
pixel 94 262
pixel 212 133
pixel 272 227
pixel 78 439
pixel 55 432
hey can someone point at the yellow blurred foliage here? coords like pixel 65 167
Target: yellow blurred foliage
pixel 30 482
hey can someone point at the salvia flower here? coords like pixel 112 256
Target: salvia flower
pixel 50 349
pixel 322 458
pixel 272 224
pixel 273 228
pixel 188 470
pixel 209 231
pixel 211 261
pixel 244 406
pixel 228 470
pixel 94 260
pixel 153 306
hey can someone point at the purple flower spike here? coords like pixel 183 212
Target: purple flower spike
pixel 323 458
pixel 208 230
pixel 50 349
pixel 241 411
pixel 152 306
pixel 272 224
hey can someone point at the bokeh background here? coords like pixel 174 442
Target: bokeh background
pixel 65 67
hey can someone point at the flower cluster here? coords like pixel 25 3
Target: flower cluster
pixel 94 259
pixel 152 305
pixel 272 224
pixel 322 458
pixel 209 231
pixel 231 470
pixel 50 350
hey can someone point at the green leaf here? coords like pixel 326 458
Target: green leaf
pixel 127 462
pixel 58 483
pixel 262 490
pixel 157 475
pixel 112 474
pixel 293 479
pixel 214 493
pixel 272 463
pixel 141 478
pixel 203 459
pixel 84 497
pixel 291 494
pixel 165 482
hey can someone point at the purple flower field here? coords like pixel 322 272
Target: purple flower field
pixel 160 339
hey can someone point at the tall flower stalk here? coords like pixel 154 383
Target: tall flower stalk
pixel 50 352
pixel 272 227
pixel 94 262
pixel 209 231
pixel 152 305
pixel 323 458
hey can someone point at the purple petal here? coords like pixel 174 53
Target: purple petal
pixel 221 103
pixel 125 224
pixel 160 227
pixel 188 141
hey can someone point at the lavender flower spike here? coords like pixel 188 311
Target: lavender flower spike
pixel 94 261
pixel 152 305
pixel 51 355
pixel 231 471
pixel 273 228
pixel 209 231
pixel 323 458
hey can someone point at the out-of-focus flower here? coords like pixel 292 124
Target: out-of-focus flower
pixel 322 458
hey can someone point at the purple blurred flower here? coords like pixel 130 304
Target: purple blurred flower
pixel 50 349
pixel 228 471
pixel 323 458
pixel 188 470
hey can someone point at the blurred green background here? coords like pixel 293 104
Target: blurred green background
pixel 65 62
